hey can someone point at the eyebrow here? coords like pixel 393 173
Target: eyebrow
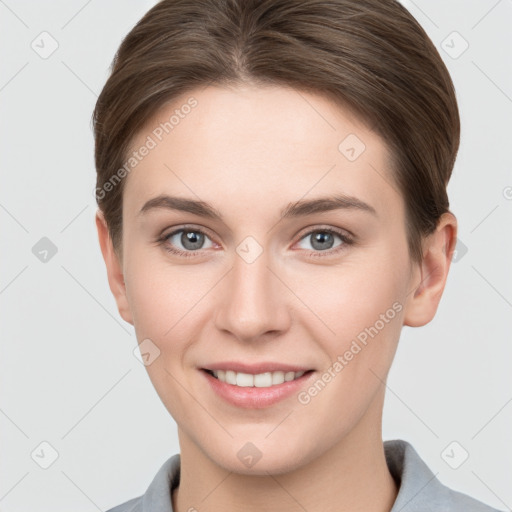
pixel 299 208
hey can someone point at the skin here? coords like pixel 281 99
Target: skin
pixel 250 151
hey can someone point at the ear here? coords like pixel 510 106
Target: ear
pixel 114 268
pixel 430 276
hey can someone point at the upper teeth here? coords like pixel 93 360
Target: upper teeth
pixel 260 380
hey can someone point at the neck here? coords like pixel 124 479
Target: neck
pixel 352 475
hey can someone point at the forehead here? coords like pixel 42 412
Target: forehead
pixel 257 143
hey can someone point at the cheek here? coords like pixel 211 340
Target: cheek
pixel 162 302
pixel 351 297
pixel 167 304
pixel 161 295
pixel 360 305
pixel 155 302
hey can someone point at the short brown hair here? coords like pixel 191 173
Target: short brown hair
pixel 370 56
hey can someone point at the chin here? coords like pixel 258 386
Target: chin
pixel 261 456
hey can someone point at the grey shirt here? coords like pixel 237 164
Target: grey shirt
pixel 419 490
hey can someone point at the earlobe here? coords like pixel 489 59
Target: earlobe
pixel 114 268
pixel 430 280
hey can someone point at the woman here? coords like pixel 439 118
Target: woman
pixel 234 138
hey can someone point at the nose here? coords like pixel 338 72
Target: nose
pixel 253 301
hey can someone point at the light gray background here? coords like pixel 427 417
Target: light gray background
pixel 68 376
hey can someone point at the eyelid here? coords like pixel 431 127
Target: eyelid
pixel 186 227
pixel 327 227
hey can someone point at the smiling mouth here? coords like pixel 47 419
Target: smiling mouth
pixel 260 380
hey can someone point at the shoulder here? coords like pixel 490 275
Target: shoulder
pixel 418 488
pixel 133 505
pixel 158 494
pixel 463 502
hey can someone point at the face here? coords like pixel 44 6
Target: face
pixel 265 287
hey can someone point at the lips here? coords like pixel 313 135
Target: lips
pixel 255 385
pixel 251 396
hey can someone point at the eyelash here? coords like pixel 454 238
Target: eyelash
pixel 347 241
